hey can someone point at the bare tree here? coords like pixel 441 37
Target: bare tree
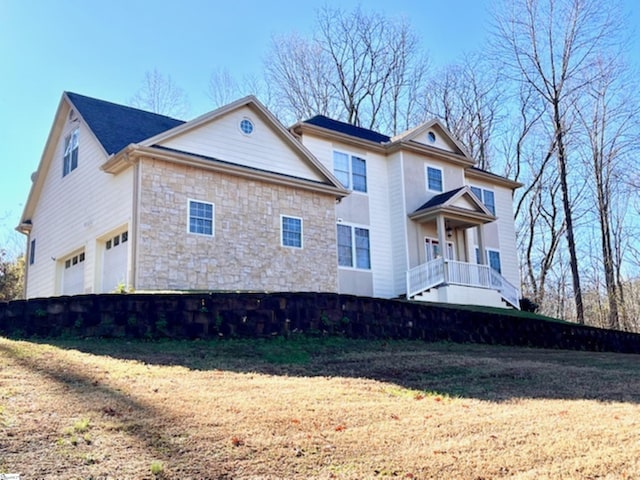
pixel 362 68
pixel 159 94
pixel 223 88
pixel 468 98
pixel 553 46
pixel 610 118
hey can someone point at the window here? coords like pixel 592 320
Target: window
pixel 353 243
pixel 493 256
pixel 70 160
pixel 32 252
pixel 291 232
pixel 246 126
pixel 351 171
pixel 487 197
pixel 431 137
pixel 115 241
pixel 201 218
pixel 71 261
pixel 434 179
pixel 494 260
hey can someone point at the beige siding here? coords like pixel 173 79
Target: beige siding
pixel 369 210
pixel 416 179
pixel 222 139
pixel 500 235
pixel 73 211
pixel 245 253
pixel 398 222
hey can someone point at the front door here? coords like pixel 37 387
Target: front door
pixel 432 247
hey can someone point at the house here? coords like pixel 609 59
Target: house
pixel 233 200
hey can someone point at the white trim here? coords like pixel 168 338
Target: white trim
pixel 427 166
pixel 482 191
pixel 350 157
pixel 213 218
pixel 283 216
pixel 253 126
pixel 487 250
pixel 354 265
pixel 449 243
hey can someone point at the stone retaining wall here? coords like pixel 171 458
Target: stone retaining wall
pixel 229 315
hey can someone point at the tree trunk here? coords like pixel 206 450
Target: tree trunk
pixel 566 204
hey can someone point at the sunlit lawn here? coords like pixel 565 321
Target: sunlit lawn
pixel 315 408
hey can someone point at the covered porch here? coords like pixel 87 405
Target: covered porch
pixel 452 266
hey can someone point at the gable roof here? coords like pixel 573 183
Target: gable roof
pixel 116 126
pixel 445 203
pixel 347 129
pixel 440 199
pixel 154 144
pixel 413 133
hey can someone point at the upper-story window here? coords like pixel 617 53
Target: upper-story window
pixel 70 160
pixel 351 171
pixel 487 197
pixel 201 217
pixel 434 179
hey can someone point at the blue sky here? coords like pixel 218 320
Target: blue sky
pixel 103 49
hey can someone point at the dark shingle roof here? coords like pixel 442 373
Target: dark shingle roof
pixel 347 129
pixel 116 126
pixel 439 199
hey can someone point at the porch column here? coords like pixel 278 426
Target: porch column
pixel 442 235
pixel 483 256
pixel 442 240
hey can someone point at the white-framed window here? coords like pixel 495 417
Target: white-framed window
pixel 435 179
pixel 493 257
pixel 433 250
pixel 351 171
pixel 291 231
pixel 354 249
pixel 487 197
pixel 70 159
pixel 201 216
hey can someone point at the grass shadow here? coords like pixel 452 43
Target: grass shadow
pixel 493 373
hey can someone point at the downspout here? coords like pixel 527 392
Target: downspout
pixel 135 221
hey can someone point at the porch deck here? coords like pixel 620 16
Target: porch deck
pixel 440 272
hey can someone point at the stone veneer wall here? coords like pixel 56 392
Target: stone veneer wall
pixel 245 252
pixel 229 315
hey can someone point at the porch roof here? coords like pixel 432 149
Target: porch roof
pixel 460 205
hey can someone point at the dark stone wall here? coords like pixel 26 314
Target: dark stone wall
pixel 231 315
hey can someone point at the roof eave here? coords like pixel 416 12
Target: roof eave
pixel 134 152
pixel 300 128
pixel 457 212
pixel 493 178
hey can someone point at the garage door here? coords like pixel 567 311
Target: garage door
pixel 73 275
pixel 114 266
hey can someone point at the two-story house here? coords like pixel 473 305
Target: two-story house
pixel 233 200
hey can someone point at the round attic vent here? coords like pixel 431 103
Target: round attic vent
pixel 431 137
pixel 246 126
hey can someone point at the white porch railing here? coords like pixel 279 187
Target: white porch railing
pixel 440 271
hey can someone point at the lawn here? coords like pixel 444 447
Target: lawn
pixel 315 408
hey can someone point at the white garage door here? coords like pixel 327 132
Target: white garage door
pixel 114 265
pixel 73 275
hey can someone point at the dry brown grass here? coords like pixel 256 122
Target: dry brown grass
pixel 320 409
